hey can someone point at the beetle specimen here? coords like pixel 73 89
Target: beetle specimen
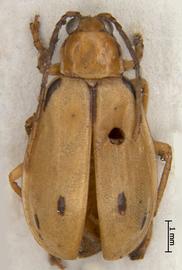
pixel 89 173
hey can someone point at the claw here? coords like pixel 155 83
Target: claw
pixel 137 39
pixel 56 261
pixel 35 24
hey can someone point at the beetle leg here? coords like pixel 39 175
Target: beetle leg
pixel 138 43
pixel 145 92
pixel 15 175
pixel 55 261
pixel 29 124
pixel 139 46
pixel 35 30
pixel 35 27
pixel 165 152
pixel 140 251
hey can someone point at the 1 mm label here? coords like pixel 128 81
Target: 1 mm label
pixel 170 235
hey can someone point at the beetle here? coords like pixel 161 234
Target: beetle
pixel 90 172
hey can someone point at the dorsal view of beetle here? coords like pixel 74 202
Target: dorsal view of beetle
pixel 89 176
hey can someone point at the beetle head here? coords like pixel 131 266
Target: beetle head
pixel 91 51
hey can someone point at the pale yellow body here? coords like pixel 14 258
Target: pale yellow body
pixel 60 163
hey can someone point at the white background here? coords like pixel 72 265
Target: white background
pixel 160 22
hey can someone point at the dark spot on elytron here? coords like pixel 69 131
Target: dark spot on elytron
pixel 61 205
pixel 73 115
pixel 37 221
pixel 54 85
pixel 122 203
pixel 116 136
pixel 143 220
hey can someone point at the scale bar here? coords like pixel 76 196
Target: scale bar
pixel 168 236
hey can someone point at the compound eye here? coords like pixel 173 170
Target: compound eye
pixel 72 25
pixel 108 26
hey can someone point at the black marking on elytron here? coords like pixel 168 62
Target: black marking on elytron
pixel 129 85
pixel 122 204
pixel 93 101
pixel 143 220
pixel 61 205
pixel 54 85
pixel 116 136
pixel 37 221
